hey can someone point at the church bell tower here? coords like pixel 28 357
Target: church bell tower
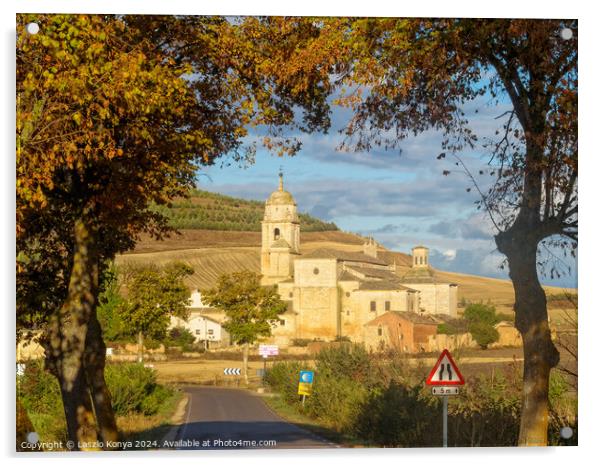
pixel 279 236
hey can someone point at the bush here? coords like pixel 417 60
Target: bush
pixel 400 416
pixel 349 361
pixel 336 401
pixel 484 333
pixel 134 388
pixel 283 377
pixel 40 395
pixel 182 337
pixel 481 313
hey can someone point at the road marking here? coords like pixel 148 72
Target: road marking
pixel 183 431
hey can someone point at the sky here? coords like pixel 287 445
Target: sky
pixel 401 199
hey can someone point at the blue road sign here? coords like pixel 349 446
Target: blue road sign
pixel 306 376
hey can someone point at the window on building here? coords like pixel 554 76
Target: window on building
pixel 282 322
pixel 316 271
pixel 290 295
pixel 373 306
pixel 197 332
pixel 387 305
pixel 210 331
pixel 276 233
pixel 348 294
pixel 380 331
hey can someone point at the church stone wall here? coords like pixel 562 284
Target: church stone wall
pixel 359 307
pixel 315 272
pixel 437 298
pixel 317 312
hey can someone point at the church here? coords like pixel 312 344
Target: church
pixel 333 294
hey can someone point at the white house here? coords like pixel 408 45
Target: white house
pixel 204 328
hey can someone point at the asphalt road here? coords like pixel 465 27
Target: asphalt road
pixel 227 418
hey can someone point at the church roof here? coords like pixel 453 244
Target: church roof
pixel 281 197
pixel 424 275
pixel 413 317
pixel 370 272
pixel 345 276
pixel 378 285
pixel 419 275
pixel 343 256
pixel 280 243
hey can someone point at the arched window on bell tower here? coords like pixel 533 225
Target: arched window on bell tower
pixel 276 234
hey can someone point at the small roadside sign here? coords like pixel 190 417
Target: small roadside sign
pixel 306 380
pixel 445 378
pixel 445 391
pixel 268 350
pixel 445 371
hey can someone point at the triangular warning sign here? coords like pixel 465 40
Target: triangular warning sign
pixel 445 371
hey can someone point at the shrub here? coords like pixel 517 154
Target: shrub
pixel 399 416
pixel 484 333
pixel 182 337
pixel 134 388
pixel 283 377
pixel 346 361
pixel 481 313
pixel 40 395
pixel 336 401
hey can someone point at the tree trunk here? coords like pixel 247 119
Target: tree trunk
pixel 245 362
pixel 140 346
pixel 67 339
pixel 95 358
pixel 540 355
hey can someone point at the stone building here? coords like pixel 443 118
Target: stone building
pixel 436 297
pixel 403 331
pixel 332 293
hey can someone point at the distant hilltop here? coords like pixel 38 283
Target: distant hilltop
pixel 204 210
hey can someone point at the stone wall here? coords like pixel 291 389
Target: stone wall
pixel 437 343
pixel 440 298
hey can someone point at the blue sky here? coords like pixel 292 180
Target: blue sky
pixel 400 199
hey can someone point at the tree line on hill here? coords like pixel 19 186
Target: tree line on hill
pixel 204 210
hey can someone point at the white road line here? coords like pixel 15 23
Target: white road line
pixel 183 431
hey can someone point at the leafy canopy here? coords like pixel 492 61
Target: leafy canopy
pixel 118 112
pixel 251 309
pixel 154 295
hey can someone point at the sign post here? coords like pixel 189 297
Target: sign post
pixel 446 379
pixel 306 380
pixel 265 351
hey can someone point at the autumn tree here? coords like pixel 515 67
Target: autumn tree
pixel 407 76
pixel 153 296
pixel 115 113
pixel 251 309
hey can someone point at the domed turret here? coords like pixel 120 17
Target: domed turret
pixel 280 197
pixel 280 206
pixel 280 236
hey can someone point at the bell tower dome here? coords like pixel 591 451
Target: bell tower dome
pixel 280 236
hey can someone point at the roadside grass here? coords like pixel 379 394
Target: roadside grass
pixel 291 414
pixel 136 427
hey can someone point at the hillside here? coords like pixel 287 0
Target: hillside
pixel 212 211
pixel 212 253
